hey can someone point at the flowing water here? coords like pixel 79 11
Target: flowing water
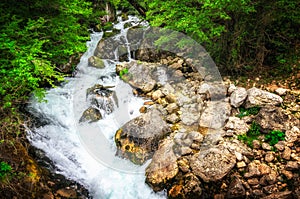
pixel 86 152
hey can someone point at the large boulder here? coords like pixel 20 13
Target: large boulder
pixel 96 62
pixel 138 75
pixel 238 97
pixel 90 115
pixel 270 118
pixel 163 167
pixel 215 114
pixel 138 139
pixel 258 97
pixel 212 164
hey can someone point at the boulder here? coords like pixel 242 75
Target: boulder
pixel 270 118
pixel 138 139
pixel 96 62
pixel 106 48
pixel 163 167
pixel 188 187
pixel 238 97
pixel 90 115
pixel 212 164
pixel 101 97
pixel 139 75
pixel 258 97
pixel 215 114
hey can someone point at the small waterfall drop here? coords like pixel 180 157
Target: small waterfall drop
pixel 85 152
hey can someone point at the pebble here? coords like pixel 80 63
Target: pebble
pixel 269 157
pixel 286 153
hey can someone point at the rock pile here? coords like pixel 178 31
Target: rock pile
pixel 191 130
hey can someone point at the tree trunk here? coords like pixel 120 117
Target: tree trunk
pixel 138 7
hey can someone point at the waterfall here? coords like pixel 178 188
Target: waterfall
pixel 85 152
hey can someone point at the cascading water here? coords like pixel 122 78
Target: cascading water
pixel 86 152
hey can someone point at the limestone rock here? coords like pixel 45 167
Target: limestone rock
pixel 139 75
pixel 214 91
pixel 212 164
pixel 90 115
pixel 270 118
pixel 281 91
pixel 292 135
pixel 163 167
pixel 236 125
pixel 190 114
pixel 215 114
pixel 258 97
pixel 96 62
pixel 238 97
pixel 138 139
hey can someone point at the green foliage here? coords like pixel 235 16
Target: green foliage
pixel 35 39
pixel 246 112
pixel 251 135
pixel 123 72
pixel 274 137
pixel 5 170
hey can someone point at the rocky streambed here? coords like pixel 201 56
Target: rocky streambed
pixel 192 130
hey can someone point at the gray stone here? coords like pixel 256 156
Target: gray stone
pixel 96 62
pixel 236 125
pixel 138 139
pixel 215 114
pixel 214 91
pixel 212 164
pixel 190 114
pixel 258 97
pixel 281 91
pixel 163 167
pixel 238 97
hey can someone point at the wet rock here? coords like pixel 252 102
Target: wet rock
pixel 189 187
pixel 238 97
pixel 105 48
pixel 67 193
pixel 138 139
pixel 90 115
pixel 163 167
pixel 96 62
pixel 236 189
pixel 212 164
pixel 236 125
pixel 101 97
pixel 258 97
pixel 215 114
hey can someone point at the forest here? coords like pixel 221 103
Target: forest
pixel 42 41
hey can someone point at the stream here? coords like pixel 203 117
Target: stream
pixel 85 152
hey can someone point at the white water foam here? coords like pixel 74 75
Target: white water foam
pixel 86 156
